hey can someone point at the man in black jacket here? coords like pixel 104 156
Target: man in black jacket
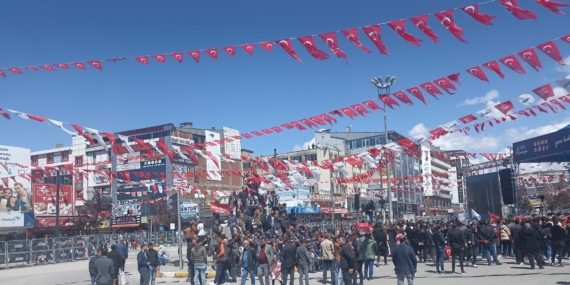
pixel 487 233
pixel 456 239
pixel 370 212
pixel 152 257
pixel 424 243
pixel 381 238
pixel 439 244
pixel 531 244
pixel 92 270
pixel 116 258
pixel 347 258
pixel 516 229
pixel 289 252
pixel 558 234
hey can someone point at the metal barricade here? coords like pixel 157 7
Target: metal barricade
pixel 42 251
pixel 18 253
pixel 79 245
pixel 3 254
pixel 92 243
pixel 63 250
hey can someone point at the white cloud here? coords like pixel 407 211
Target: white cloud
pixel 305 145
pixel 480 100
pixel 419 131
pixel 564 68
pixel 495 114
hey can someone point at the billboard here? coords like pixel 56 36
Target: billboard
pixel 454 188
pixel 16 199
pixel 542 148
pixel 298 196
pixel 125 214
pixel 215 149
pixel 128 161
pixel 147 182
pixel 45 203
pixel 188 210
pixel 484 194
pixel 426 171
pixel 232 148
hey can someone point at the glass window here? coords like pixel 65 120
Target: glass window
pixel 297 158
pixel 34 160
pixel 64 156
pixel 311 156
pixel 49 158
pixel 79 160
pixel 358 143
pixel 366 142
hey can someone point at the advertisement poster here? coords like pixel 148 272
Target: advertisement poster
pixel 298 196
pixel 426 171
pixel 147 182
pixel 45 203
pixel 232 148
pixel 125 214
pixel 215 149
pixel 16 199
pixel 188 210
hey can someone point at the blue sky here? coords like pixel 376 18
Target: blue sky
pixel 254 92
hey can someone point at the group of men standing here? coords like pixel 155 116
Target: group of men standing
pixel 105 266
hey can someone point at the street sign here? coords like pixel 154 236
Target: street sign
pixel 161 228
pixel 172 226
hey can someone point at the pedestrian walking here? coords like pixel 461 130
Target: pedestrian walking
pixel 405 262
pixel 92 271
pixel 249 259
pixel 347 259
pixel 104 269
pixel 116 258
pixel 200 260
pixel 143 266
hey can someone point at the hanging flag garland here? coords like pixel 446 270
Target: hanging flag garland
pixel 373 32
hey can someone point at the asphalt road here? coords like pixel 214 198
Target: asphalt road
pixel 508 273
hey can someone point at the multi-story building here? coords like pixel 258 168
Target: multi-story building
pixel 457 162
pixel 441 189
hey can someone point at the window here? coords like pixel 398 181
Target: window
pixel 366 142
pixel 64 156
pixel 309 157
pixel 79 160
pixel 49 157
pixel 93 158
pixel 297 158
pixel 247 165
pixel 35 160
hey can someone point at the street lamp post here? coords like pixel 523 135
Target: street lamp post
pixel 384 90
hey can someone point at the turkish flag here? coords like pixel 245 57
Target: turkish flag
pixel 468 119
pixel 389 101
pixel 212 52
pixel 518 12
pixel 287 46
pixel 403 97
pixel 372 105
pixel 399 27
pixel 416 92
pixel 248 48
pixel 33 68
pixel 552 108
pixel 268 46
pixel 454 78
pixel 160 57
pixel 309 43
pixel 287 126
pixel 37 118
pixel 349 112
pixel 513 63
pixel 15 70
pixel 550 49
pixel 277 129
pixel 493 216
pixel 553 101
pixel 544 91
pixel 505 107
pixel 478 72
pixel 494 66
pixel 62 65
pixel 247 136
pixel 195 54
pixel 431 89
pixel 473 11
pixel 79 129
pixel 79 65
pixel 267 131
pixel 142 59
pixel 298 126
pixel 257 133
pixel 96 64
pixel 2 73
pixel 446 19
pixel 530 56
pixel 231 50
pixel 446 85
pixel 336 112
pixel 360 109
pixel 309 123
pixel 552 5
pixel 332 42
pixel 328 118
pixel 352 36
pixel 47 67
pixel 179 56
pixel 565 98
pixel 374 34
pixel 566 38
pixel 317 120
pixel 422 23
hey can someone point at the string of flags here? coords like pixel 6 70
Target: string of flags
pixel 373 32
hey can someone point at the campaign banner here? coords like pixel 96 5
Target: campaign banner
pixel 42 222
pixel 45 203
pixel 188 210
pixel 222 209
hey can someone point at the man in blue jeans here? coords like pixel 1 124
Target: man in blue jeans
pixel 249 258
pixel 488 241
pixel 439 245
pixel 143 266
pixel 199 261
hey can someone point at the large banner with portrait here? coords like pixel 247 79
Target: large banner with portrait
pixel 16 203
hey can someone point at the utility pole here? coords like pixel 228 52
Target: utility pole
pixel 57 186
pixel 179 231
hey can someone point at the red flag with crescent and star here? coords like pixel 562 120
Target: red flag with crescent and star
pixel 62 65
pixel 142 59
pixel 552 5
pixel 179 56
pixel 277 129
pixel 33 68
pixel 550 49
pixel 544 91
pixel 287 46
pixel 336 112
pixel 327 118
pixel 231 50
pixel 454 77
pixel 212 52
pixel 505 107
pixel 160 58
pixel 546 104
pixel 416 92
pixel 47 67
pixel 446 85
pixel 298 126
pixel 2 73
pixel 399 27
pixel 566 38
pixel 519 13
pixel 374 34
pixel 422 23
pixel 372 105
pixel 494 66
pixel 360 109
pixel 431 89
pixel 268 46
pixel 96 64
pixel 257 133
pixel 317 120
pixel 247 136
pixel 15 70
pixel 389 101
pixel 513 63
pixel 309 43
pixel 248 48
pixel 403 98
pixel 446 19
pixel 309 123
pixel 473 11
pixel 478 72
pixel 349 112
pixel 352 36
pixel 332 42
pixel 195 54
pixel 556 102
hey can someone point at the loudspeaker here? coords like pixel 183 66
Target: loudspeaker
pixel 356 202
pixel 506 178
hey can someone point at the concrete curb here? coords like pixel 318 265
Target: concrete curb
pixel 184 274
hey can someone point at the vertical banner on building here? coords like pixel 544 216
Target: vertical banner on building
pixel 232 148
pixel 215 149
pixel 426 172
pixel 452 172
pixel 16 203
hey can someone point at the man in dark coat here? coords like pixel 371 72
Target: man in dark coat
pixel 381 237
pixel 123 250
pixel 456 239
pixel 405 262
pixel 289 252
pixel 531 243
pixel 558 235
pixel 115 256
pixel 488 237
pixel 347 259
